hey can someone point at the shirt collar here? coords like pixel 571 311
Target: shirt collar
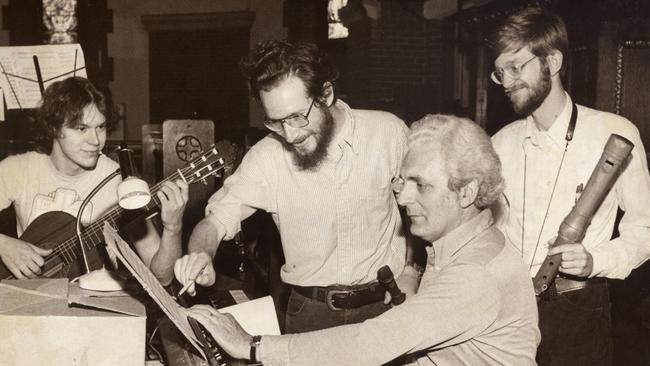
pixel 558 129
pixel 557 132
pixel 446 249
pixel 349 134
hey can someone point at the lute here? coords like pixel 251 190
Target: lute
pixel 56 230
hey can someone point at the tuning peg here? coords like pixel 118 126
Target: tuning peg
pixel 204 181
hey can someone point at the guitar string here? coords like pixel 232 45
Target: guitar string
pixel 94 228
pixel 111 216
pixel 199 164
pixel 67 247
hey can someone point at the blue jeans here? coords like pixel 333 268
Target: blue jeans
pixel 304 314
pixel 576 328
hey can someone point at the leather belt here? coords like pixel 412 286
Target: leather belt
pixel 344 297
pixel 563 284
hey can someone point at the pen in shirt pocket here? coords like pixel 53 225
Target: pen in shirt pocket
pixel 579 189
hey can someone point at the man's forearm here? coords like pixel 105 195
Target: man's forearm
pixel 205 237
pixel 162 263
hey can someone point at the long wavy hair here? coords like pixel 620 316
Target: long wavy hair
pixel 63 103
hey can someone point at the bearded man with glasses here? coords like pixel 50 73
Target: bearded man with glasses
pixel 547 158
pixel 324 174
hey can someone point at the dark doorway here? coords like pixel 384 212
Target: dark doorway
pixel 194 74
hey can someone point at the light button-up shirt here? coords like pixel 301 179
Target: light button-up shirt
pixel 339 223
pixel 530 160
pixel 478 308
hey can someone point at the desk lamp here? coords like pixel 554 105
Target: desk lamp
pixel 133 193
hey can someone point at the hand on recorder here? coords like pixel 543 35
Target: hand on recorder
pixel 225 330
pixel 576 260
pixel 23 259
pixel 195 268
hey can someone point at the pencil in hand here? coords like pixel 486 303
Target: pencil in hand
pixel 190 283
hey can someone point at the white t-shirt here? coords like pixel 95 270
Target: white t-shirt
pixel 33 184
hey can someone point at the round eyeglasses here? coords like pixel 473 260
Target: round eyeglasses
pixel 296 120
pixel 513 71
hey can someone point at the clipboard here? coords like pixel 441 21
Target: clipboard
pixel 26 71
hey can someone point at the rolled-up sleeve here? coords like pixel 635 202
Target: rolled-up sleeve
pixel 248 189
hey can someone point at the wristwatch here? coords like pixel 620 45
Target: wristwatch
pixel 255 343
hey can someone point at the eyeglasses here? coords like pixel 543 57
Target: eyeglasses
pixel 397 184
pixel 297 120
pixel 513 71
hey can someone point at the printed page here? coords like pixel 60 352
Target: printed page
pixel 18 79
pixel 150 283
pixel 255 316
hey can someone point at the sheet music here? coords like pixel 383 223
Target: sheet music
pixel 149 282
pixel 18 79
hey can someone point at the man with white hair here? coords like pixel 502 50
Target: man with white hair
pixel 475 304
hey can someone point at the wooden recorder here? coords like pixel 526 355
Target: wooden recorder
pixel 574 226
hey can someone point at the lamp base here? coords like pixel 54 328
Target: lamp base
pixel 101 280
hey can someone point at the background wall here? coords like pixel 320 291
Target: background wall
pixel 392 58
pixel 4 35
pixel 128 46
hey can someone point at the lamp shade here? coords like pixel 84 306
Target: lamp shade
pixel 133 193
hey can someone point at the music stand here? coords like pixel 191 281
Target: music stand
pixel 26 71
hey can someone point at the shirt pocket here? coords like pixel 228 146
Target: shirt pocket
pixel 376 208
pixel 376 197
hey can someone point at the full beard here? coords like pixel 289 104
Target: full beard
pixel 538 93
pixel 311 160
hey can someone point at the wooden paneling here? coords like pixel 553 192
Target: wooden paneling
pixel 633 78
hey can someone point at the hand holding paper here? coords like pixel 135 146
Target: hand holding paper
pixel 255 316
pixel 225 330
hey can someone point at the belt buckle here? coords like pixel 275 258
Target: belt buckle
pixel 564 285
pixel 330 300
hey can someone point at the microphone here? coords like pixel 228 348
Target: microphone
pixel 385 277
pixel 132 192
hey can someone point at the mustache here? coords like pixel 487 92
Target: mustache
pixel 516 87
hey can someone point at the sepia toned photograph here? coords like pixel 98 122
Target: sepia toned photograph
pixel 324 182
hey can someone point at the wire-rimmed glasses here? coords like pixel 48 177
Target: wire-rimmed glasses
pixel 513 71
pixel 297 120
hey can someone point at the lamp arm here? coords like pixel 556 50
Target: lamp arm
pixel 83 206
